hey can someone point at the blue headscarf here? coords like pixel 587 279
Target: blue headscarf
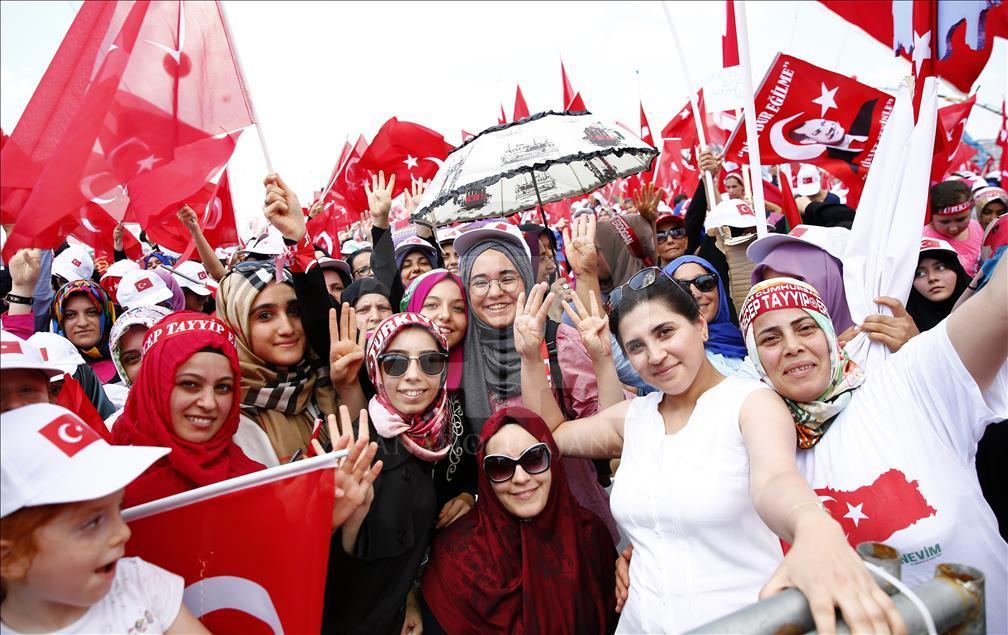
pixel 725 338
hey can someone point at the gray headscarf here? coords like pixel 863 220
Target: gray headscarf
pixel 491 360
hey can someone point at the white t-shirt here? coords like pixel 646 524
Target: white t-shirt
pixel 898 465
pixel 144 598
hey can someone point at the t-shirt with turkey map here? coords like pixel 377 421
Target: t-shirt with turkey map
pixel 897 466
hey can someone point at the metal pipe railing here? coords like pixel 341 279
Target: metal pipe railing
pixel 954 599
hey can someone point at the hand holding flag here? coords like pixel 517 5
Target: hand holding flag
pixel 282 209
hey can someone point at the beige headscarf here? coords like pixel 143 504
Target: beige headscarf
pixel 284 400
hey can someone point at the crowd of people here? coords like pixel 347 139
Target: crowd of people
pixel 637 422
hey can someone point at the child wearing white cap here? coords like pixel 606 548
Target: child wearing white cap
pixel 62 538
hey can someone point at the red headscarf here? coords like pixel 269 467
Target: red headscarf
pixel 491 572
pixel 146 419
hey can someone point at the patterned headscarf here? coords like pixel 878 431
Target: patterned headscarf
pixel 284 400
pixel 413 301
pixel 424 435
pixel 100 299
pixel 811 418
pixel 145 316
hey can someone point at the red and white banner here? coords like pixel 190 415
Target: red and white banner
pixel 253 549
pixel 812 115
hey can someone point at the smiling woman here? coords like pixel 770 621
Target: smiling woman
pixel 83 313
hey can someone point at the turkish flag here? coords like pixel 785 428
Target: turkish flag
pixel 95 229
pixel 954 37
pixel 950 127
pixel 501 118
pixel 348 189
pixel 521 108
pixel 215 213
pixel 787 200
pixel 253 550
pixel 876 511
pixel 572 101
pixel 408 150
pixel 674 174
pixel 151 103
pixel 729 41
pixel 808 114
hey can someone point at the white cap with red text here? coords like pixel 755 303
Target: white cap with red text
pixel 16 353
pixel 48 455
pixel 193 270
pixel 73 263
pixel 141 288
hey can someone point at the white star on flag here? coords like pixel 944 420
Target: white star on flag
pixel 147 164
pixel 854 513
pixel 410 161
pixel 827 99
pixel 922 50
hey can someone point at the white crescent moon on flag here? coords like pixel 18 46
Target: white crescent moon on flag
pixel 85 188
pixel 792 151
pixel 63 433
pixel 231 592
pixel 212 215
pixel 438 162
pixel 89 226
pixel 826 498
pixel 132 140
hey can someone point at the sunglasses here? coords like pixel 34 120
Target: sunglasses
pixel 675 232
pixel 396 364
pixel 704 283
pixel 640 281
pixel 501 469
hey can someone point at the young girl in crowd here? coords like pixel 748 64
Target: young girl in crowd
pixel 82 312
pixel 126 346
pixel 62 539
pixel 413 257
pixel 707 478
pixel 938 282
pixel 529 558
pixel 284 388
pixel 952 220
pixel 989 203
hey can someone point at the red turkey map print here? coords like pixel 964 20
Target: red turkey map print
pixel 875 512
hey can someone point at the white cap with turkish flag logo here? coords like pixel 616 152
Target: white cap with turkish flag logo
pixel 192 270
pixel 832 240
pixel 73 263
pixel 16 353
pixel 48 455
pixel 936 244
pixel 57 351
pixel 141 288
pixel 809 180
pixel 732 212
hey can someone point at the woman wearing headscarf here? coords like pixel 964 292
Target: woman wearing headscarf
pixel 542 246
pixel 178 300
pixel 440 296
pixel 284 389
pixel 369 297
pixel 724 346
pixel 374 561
pixel 83 313
pixel 625 244
pixel 496 269
pixel 126 346
pixel 522 563
pixel 939 280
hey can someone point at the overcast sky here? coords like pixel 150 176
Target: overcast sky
pixel 319 72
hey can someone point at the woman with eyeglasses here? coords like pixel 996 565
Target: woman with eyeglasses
pixel 372 569
pixel 528 558
pixel 708 483
pixel 725 347
pixel 496 269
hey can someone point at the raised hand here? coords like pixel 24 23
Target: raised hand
pixel 414 194
pixel 187 217
pixel 579 245
pixel 117 237
pixel 282 209
pixel 346 347
pixel 315 209
pixel 707 162
pixel 892 330
pixel 379 197
pixel 592 326
pixel 355 475
pixel 25 268
pixel 646 201
pixel 530 321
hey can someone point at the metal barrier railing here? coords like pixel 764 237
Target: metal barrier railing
pixel 954 599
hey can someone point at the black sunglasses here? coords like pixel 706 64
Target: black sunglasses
pixel 675 232
pixel 500 468
pixel 396 364
pixel 704 283
pixel 640 281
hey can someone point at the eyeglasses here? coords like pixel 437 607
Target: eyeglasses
pixel 363 271
pixel 507 283
pixel 675 232
pixel 640 281
pixel 396 364
pixel 704 283
pixel 500 468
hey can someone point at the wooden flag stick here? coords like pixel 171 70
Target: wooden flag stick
pixel 752 139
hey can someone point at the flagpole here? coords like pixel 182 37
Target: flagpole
pixel 752 140
pixel 712 195
pixel 244 82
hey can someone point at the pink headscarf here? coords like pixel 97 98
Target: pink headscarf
pixel 413 300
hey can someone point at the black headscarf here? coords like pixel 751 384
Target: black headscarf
pixel 360 288
pixel 927 314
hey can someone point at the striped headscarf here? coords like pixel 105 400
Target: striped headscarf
pixel 94 292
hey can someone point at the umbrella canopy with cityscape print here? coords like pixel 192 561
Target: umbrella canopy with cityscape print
pixel 491 174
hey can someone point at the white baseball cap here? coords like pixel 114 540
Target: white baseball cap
pixel 16 353
pixel 350 247
pixel 447 235
pixel 337 264
pixel 57 351
pixel 195 271
pixel 809 180
pixel 269 244
pixel 474 233
pixel 48 455
pixel 119 268
pixel 733 212
pixel 832 240
pixel 73 263
pixel 936 244
pixel 141 288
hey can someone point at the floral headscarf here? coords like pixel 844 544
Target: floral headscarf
pixel 811 418
pixel 146 316
pixel 424 435
pixel 100 299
